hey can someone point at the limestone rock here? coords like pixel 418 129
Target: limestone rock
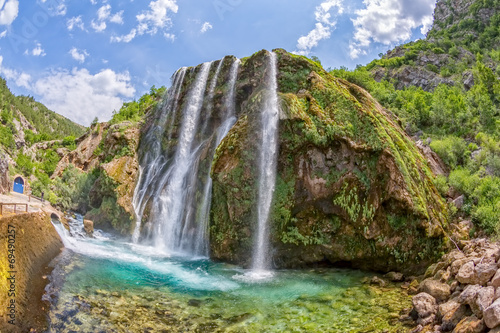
pixel 470 324
pixel 485 271
pixel 492 314
pixel 319 172
pixel 485 297
pixel 440 291
pixel 467 274
pixel 425 305
pixel 395 276
pixel 469 295
pixel 377 281
pixel 495 281
pixel 451 313
pixel 88 226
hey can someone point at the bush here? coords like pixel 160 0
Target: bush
pixel 451 150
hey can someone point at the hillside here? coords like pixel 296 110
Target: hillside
pixel 25 122
pixel 446 91
pixel 464 32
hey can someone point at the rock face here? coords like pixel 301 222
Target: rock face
pixel 351 186
pixel 112 193
pixel 420 63
pixel 5 186
pixel 31 261
pixel 83 156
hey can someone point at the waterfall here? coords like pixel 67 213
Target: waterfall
pixel 153 160
pixel 174 190
pixel 169 229
pixel 267 168
pixel 229 104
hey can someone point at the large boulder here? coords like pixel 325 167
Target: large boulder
pixel 351 185
pixel 492 314
pixel 440 291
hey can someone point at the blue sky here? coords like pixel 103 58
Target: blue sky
pixel 84 58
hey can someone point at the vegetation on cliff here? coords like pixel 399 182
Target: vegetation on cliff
pixel 459 118
pixel 350 182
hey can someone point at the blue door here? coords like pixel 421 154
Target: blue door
pixel 19 185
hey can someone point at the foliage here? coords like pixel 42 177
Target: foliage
pixel 24 164
pixel 135 110
pixel 463 124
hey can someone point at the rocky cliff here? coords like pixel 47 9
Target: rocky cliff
pixel 351 186
pixel 5 186
pixel 107 154
pixel 29 260
pixel 461 30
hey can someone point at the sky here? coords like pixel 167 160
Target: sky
pixel 84 58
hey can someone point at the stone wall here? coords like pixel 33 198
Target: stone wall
pixel 34 242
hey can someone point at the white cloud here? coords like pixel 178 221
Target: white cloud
pixel 81 96
pixel 104 15
pixel 104 12
pixel 170 37
pixel 323 28
pixel 98 26
pixel 75 22
pixel 78 55
pixel 8 11
pixel 124 38
pixel 20 79
pixel 152 20
pixel 117 18
pixel 3 34
pixel 306 43
pixel 157 16
pixel 59 9
pixel 389 21
pixel 38 51
pixel 205 27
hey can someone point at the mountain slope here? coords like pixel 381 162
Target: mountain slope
pixel 25 121
pixel 446 91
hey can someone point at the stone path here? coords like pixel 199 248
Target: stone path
pixel 34 204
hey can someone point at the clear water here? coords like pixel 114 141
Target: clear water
pixel 105 285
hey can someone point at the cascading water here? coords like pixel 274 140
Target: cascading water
pixel 153 160
pixel 169 229
pixel 175 184
pixel 267 170
pixel 202 245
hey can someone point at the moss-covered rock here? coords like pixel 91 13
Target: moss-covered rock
pixel 112 193
pixel 351 185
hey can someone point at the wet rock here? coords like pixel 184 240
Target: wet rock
pixel 88 226
pixel 394 276
pixel 440 291
pixel 194 302
pixel 377 281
